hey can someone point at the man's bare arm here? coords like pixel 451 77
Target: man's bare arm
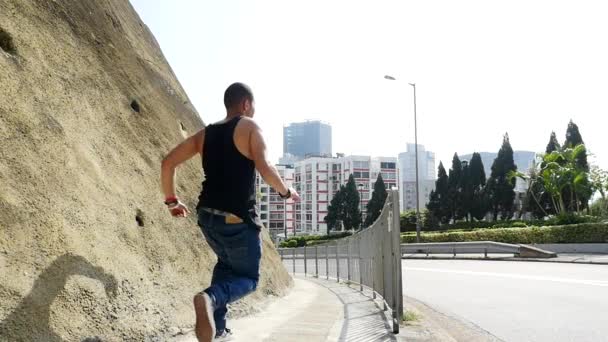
pixel 268 172
pixel 184 151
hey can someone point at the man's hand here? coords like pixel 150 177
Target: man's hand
pixel 294 195
pixel 178 209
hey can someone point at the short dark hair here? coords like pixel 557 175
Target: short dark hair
pixel 236 93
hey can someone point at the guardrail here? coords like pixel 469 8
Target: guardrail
pixel 476 247
pixel 370 259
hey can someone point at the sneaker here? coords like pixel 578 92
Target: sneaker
pixel 205 325
pixel 225 335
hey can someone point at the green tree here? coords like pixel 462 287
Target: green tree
pixel 438 205
pixel 538 200
pixel 477 174
pixel 336 210
pixel 553 144
pixel 352 203
pixel 574 139
pixel 376 203
pixel 466 192
pixel 455 189
pixel 562 175
pixel 500 187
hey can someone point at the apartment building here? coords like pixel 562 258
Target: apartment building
pixel 275 212
pixel 317 179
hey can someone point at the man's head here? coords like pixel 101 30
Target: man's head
pixel 238 99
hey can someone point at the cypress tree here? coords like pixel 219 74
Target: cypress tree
pixel 573 139
pixel 438 205
pixel 335 210
pixel 455 189
pixel 500 187
pixel 352 203
pixel 553 144
pixel 376 203
pixel 477 174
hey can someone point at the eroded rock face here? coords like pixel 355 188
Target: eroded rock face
pixel 88 107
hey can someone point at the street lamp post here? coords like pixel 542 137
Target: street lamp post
pixel 391 78
pixel 361 204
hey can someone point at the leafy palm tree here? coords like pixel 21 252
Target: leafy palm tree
pixel 562 174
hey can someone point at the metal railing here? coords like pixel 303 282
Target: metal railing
pixel 475 247
pixel 369 259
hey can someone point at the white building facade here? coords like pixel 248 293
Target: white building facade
pixel 275 212
pixel 318 179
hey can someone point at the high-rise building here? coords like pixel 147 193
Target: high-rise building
pixel 309 138
pixel 407 176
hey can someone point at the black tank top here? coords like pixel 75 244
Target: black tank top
pixel 229 183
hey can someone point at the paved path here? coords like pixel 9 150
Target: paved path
pixel 516 301
pixel 314 311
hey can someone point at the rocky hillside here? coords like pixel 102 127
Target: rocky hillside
pixel 88 107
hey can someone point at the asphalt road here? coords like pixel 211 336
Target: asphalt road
pixel 516 301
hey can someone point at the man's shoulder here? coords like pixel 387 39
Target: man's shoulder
pixel 248 123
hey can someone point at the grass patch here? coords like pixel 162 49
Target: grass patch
pixel 574 233
pixel 411 317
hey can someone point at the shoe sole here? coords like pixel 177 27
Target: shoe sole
pixel 205 325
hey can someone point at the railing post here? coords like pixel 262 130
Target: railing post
pixel 485 252
pixel 327 261
pixel 337 262
pixel 348 261
pixel 371 272
pixel 281 254
pixel 293 258
pixel 454 252
pixel 305 262
pixel 316 261
pixel 360 272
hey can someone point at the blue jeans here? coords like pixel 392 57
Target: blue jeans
pixel 239 249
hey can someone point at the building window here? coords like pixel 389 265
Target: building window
pixel 308 168
pixel 276 216
pixel 308 217
pixel 389 175
pixel 275 225
pixel 360 164
pixel 264 216
pixel 298 217
pixel 388 165
pixel 358 174
pixel 263 207
pixel 308 206
pixel 275 207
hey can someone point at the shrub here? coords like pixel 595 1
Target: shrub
pixel 578 233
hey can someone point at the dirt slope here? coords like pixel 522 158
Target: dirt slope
pixel 88 107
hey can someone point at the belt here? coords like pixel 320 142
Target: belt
pixel 230 217
pixel 216 212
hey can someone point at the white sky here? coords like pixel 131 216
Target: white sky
pixel 482 68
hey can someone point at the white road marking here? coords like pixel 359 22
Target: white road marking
pixel 513 276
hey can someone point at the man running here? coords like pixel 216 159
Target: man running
pixel 232 150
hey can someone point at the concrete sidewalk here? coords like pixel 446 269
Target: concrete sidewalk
pixel 314 311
